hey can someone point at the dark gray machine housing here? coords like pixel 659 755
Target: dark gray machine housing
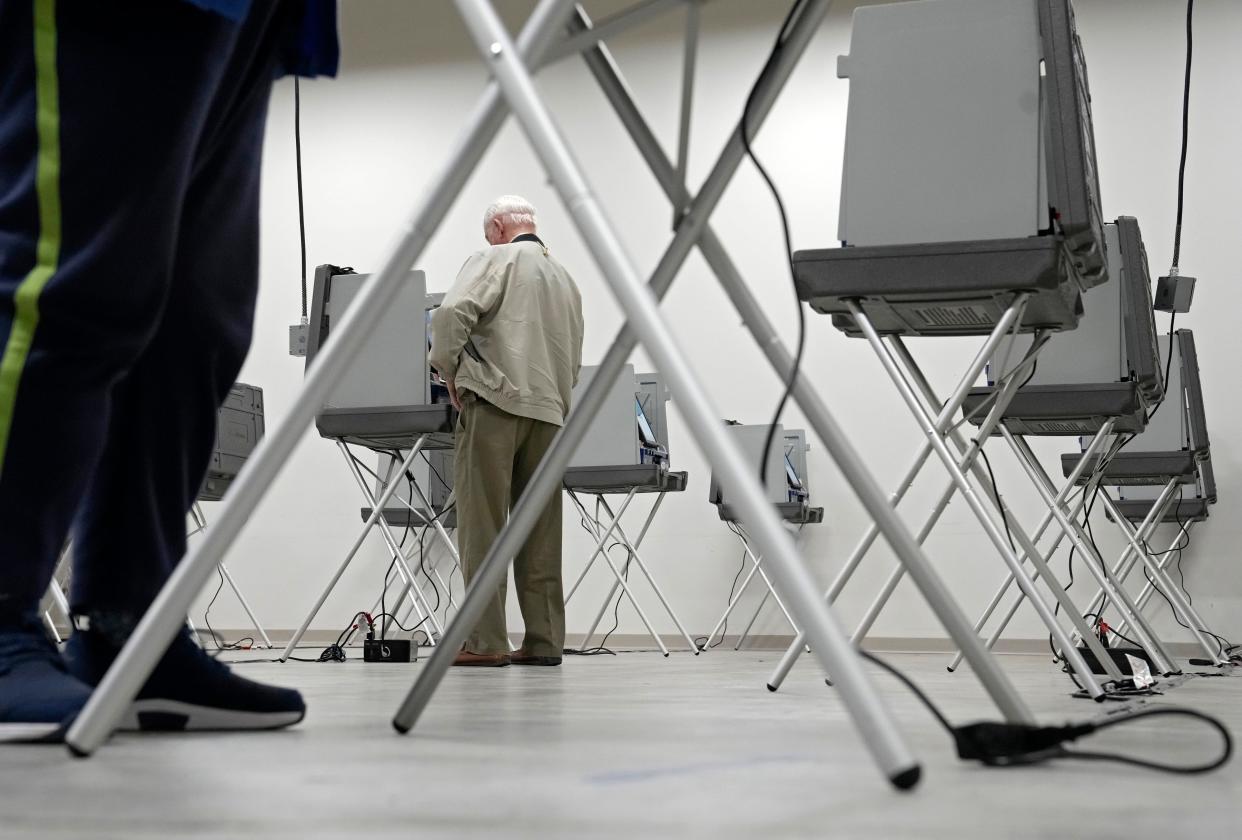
pixel 1108 368
pixel 239 427
pixel 1175 441
pixel 951 284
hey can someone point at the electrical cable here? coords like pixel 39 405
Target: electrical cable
pixel 705 642
pixel 1181 183
pixel 744 132
pixel 244 643
pixel 1011 744
pixel 1181 167
pixel 297 147
pixel 996 495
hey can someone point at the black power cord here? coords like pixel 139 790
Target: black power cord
pixel 245 643
pixel 744 133
pixel 1181 166
pixel 602 648
pixel 1181 184
pixel 1014 744
pixel 705 642
pixel 996 495
pixel 297 154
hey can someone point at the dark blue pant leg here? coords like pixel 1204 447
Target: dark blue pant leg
pixel 135 85
pixel 132 528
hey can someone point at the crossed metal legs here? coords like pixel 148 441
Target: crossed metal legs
pixel 1063 497
pixel 377 513
pixel 621 576
pixel 1162 581
pixel 200 524
pixel 756 567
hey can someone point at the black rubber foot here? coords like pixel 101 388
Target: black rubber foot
pixel 666 656
pixel 1101 698
pixel 697 651
pixel 401 730
pixel 771 687
pixel 828 683
pixel 77 753
pixel 950 669
pixel 907 779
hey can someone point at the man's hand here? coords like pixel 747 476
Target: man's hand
pixel 452 389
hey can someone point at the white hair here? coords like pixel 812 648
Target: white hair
pixel 512 210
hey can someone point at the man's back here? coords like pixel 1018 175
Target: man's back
pixel 510 330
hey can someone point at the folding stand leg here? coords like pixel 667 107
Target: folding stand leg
pixel 969 462
pixel 398 554
pixel 1062 497
pixel 994 534
pixel 201 522
pixel 601 540
pixel 51 627
pixel 769 591
pixel 377 510
pixel 733 602
pixel 59 599
pixel 755 568
pixel 1091 558
pixel 694 228
pixel 943 422
pixel 603 607
pixel 877 727
pixel 632 549
pixel 625 587
pixel 1039 561
pixel 1163 582
pixel 1125 564
pixel 167 613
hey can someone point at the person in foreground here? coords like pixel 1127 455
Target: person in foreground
pixel 507 341
pixel 130 143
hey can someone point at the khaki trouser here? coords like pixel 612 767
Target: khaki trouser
pixel 497 454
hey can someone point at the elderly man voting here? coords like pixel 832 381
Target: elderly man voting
pixel 508 342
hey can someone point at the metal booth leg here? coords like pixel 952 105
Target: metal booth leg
pixel 377 510
pixel 976 505
pixel 877 727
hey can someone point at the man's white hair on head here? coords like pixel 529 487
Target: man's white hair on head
pixel 512 210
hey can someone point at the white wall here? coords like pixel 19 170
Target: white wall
pixel 373 138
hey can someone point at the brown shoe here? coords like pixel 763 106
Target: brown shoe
pixel 521 657
pixel 482 660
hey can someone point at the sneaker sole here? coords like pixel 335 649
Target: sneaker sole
pixel 32 733
pixel 175 716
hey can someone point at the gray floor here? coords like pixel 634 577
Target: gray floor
pixel 628 746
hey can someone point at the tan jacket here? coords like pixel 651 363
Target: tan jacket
pixel 510 330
